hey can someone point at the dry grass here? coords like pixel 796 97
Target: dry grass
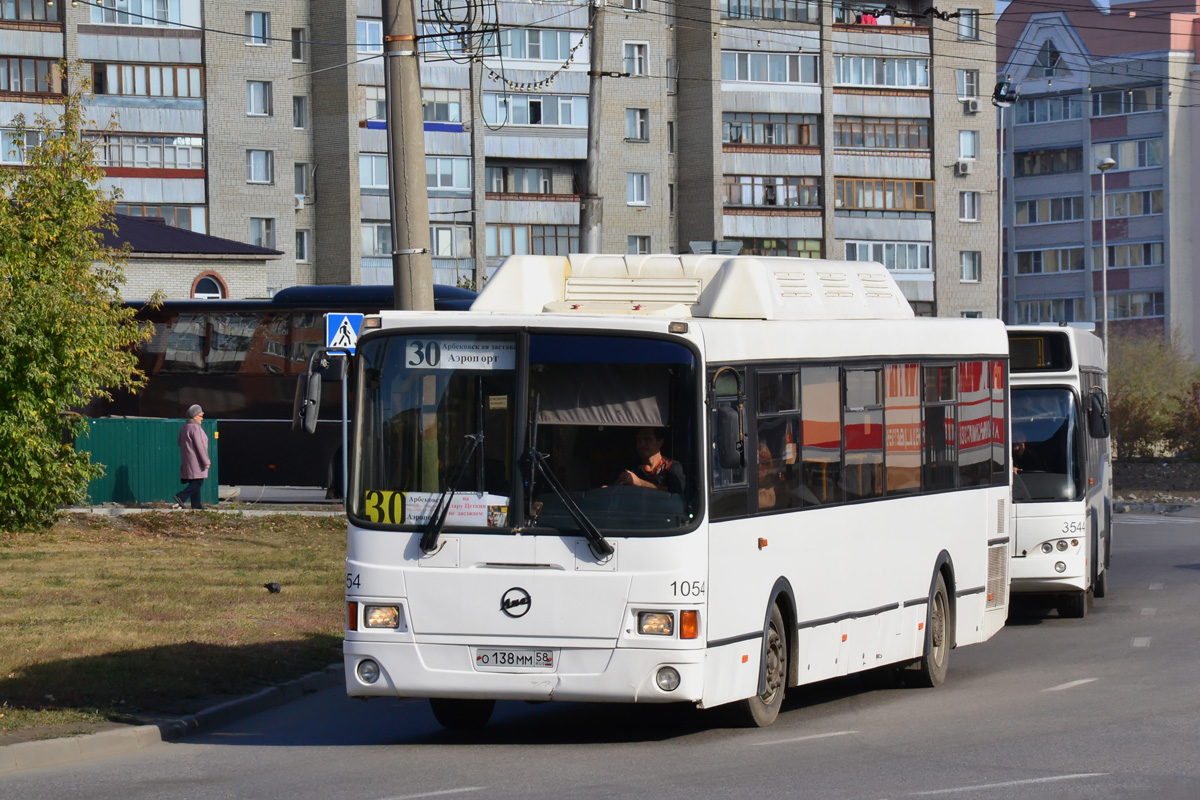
pixel 146 615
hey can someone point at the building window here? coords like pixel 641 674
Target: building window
pixel 258 98
pixel 208 288
pixel 742 127
pixel 372 171
pixel 258 27
pixel 302 181
pixel 792 248
pixel 1049 109
pixel 146 80
pixel 130 12
pixel 300 112
pixel 911 73
pixel 637 188
pixel 376 239
pixel 635 58
pixel 299 44
pixel 190 218
pixel 671 199
pixel 447 173
pixel 790 191
pixel 1063 309
pixel 493 179
pixel 1135 305
pixel 29 75
pixel 1060 259
pixel 968 23
pixel 1050 209
pixel 768 67
pixel 13 147
pixel 149 152
pixel 670 136
pixel 450 241
pixel 441 105
pixel 971 314
pixel 1127 204
pixel 1134 254
pixel 568 111
pixel 528 180
pixel 1048 162
pixel 968 144
pixel 1129 155
pixel 370 36
pixel 262 232
pixel 260 166
pixel 878 133
pixel 971 266
pixel 968 206
pixel 895 256
pixel 36 11
pixel 539 44
pixel 303 245
pixel 968 83
pixel 883 195
pixel 1127 101
pixel 637 124
pixel 635 5
pixel 790 10
pixel 638 245
pixel 672 75
pixel 376 103
pixel 549 240
pixel 1046 65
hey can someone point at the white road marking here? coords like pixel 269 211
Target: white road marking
pixel 1141 641
pixel 1149 612
pixel 439 793
pixel 1154 587
pixel 985 786
pixel 1158 521
pixel 803 738
pixel 1069 685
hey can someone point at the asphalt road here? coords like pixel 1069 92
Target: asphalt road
pixel 1104 707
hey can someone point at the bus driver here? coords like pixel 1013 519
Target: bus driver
pixel 653 471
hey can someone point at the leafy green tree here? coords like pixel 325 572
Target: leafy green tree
pixel 64 336
pixel 1149 385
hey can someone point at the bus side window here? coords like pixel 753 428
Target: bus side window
pixel 863 477
pixel 728 490
pixel 821 438
pixel 939 455
pixel 1000 470
pixel 902 402
pixel 777 450
pixel 974 424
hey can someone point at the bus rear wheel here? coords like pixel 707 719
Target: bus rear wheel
pixel 762 709
pixel 462 715
pixel 931 669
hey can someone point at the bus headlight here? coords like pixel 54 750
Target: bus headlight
pixel 381 616
pixel 368 671
pixel 1060 566
pixel 1047 547
pixel 1062 545
pixel 667 679
pixel 656 623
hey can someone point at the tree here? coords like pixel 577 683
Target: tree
pixel 64 335
pixel 1149 386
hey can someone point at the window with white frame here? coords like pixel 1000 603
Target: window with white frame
pixel 635 5
pixel 568 111
pixel 768 67
pixel 1049 109
pixel 1131 254
pixel 376 103
pixel 300 111
pixel 370 36
pixel 14 146
pixel 1049 209
pixel 1113 102
pixel 968 144
pixel 635 58
pixel 539 44
pixel 529 180
pixel 303 245
pixel 441 105
pixel 1059 309
pixel 637 124
pixel 299 44
pixel 262 232
pixel 972 261
pixel 258 98
pixel 208 288
pixel 258 27
pixel 672 75
pixel 1129 155
pixel 903 73
pixel 968 23
pixel 260 166
pixel 896 256
pixel 149 152
pixel 1134 305
pixel 372 171
pixel 637 188
pixel 376 239
pixel 1047 63
pixel 968 83
pixel 302 179
pixel 120 12
pixel 450 241
pixel 971 314
pixel 1130 204
pixel 443 172
pixel 1056 259
pixel 38 11
pixel 968 206
pixel 638 245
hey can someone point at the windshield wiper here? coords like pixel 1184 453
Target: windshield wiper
pixel 600 547
pixel 437 520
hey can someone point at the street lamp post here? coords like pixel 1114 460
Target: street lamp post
pixel 1004 95
pixel 1104 166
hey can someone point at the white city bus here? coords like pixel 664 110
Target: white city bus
pixel 837 496
pixel 1062 481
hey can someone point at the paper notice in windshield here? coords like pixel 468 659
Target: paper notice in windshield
pixel 415 508
pixel 449 353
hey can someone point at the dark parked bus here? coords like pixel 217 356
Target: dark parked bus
pixel 239 360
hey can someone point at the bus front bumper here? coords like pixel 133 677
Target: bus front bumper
pixel 1038 572
pixel 607 674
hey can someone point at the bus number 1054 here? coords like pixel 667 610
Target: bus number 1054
pixel 687 588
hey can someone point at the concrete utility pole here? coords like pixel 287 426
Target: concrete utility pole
pixel 591 212
pixel 412 262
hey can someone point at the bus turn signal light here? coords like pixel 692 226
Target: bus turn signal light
pixel 352 616
pixel 689 624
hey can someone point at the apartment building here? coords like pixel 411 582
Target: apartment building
pixel 793 127
pixel 1101 81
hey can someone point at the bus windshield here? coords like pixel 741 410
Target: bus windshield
pixel 606 424
pixel 1045 447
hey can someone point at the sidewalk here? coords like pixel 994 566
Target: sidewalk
pixel 248 500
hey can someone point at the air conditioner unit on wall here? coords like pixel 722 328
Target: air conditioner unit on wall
pixel 299 202
pixel 963 167
pixel 971 106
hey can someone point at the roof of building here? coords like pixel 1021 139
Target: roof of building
pixel 150 235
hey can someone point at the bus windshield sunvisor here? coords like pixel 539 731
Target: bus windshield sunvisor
pixel 625 395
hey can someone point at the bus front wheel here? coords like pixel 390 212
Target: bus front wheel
pixel 462 715
pixel 762 709
pixel 931 669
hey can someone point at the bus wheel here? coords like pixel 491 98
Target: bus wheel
pixel 1074 605
pixel 462 715
pixel 931 669
pixel 762 709
pixel 1100 587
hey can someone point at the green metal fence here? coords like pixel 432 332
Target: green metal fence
pixel 141 460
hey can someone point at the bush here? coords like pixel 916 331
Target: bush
pixel 1150 387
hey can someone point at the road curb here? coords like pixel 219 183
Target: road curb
pixel 120 741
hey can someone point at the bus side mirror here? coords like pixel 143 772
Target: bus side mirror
pixel 306 405
pixel 1097 415
pixel 731 448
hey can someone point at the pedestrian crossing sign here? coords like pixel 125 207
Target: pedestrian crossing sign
pixel 341 330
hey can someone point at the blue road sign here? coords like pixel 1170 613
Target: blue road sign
pixel 341 330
